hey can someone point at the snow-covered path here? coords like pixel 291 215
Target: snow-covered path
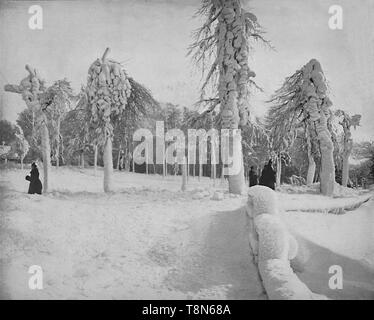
pixel 148 240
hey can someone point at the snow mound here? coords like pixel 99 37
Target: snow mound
pixel 275 247
pixel 218 196
pixel 275 242
pixel 261 200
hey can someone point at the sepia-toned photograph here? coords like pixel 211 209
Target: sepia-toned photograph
pixel 192 150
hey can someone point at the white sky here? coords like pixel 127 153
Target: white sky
pixel 151 38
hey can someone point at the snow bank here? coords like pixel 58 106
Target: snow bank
pixel 308 198
pixel 274 247
pixel 339 190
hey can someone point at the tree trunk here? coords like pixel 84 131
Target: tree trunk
pixel 222 176
pixel 95 159
pixel 345 170
pixel 163 164
pixel 279 170
pixel 58 144
pixel 348 145
pixel 184 176
pixel 317 109
pixel 311 170
pixel 46 151
pixel 200 167
pixel 108 165
pixel 82 160
pixel 311 163
pixel 236 181
pixel 214 174
pixel 118 156
pixel 327 174
pixel 234 74
pixel 146 159
pixel 22 163
pixel 132 158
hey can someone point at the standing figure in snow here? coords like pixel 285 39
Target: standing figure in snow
pixel 261 180
pixel 120 165
pixel 35 183
pixel 268 176
pixel 253 179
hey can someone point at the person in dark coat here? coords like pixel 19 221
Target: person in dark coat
pixel 253 179
pixel 35 183
pixel 120 166
pixel 268 176
pixel 263 174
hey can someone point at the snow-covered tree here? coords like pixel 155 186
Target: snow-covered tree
pixel 77 130
pixel 282 127
pixel 303 97
pixel 224 43
pixel 60 95
pixel 32 88
pixel 7 132
pixel 140 104
pixel 21 144
pixel 108 89
pixel 109 92
pixel 27 121
pixel 256 144
pixel 347 121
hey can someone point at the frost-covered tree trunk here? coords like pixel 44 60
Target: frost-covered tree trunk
pixel 316 107
pixel 227 30
pixel 46 152
pixel 82 159
pixel 184 175
pixel 347 122
pixel 133 161
pixel 214 174
pixel 311 170
pixel 95 159
pixel 348 144
pixel 164 167
pixel 279 170
pixel 118 158
pixel 200 171
pixel 234 75
pixel 311 163
pixel 58 143
pixel 345 170
pixel 22 144
pixel 146 161
pixel 108 165
pixel 327 174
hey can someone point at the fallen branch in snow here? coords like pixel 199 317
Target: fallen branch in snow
pixel 273 248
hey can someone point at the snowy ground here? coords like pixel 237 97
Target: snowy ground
pixel 149 240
